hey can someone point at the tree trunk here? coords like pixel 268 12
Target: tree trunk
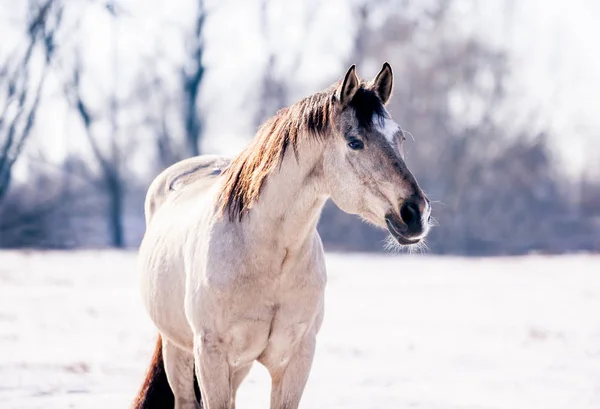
pixel 115 211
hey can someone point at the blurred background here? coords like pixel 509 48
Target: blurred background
pixel 501 98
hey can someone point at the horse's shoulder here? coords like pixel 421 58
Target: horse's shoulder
pixel 198 172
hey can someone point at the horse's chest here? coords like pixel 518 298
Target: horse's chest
pixel 259 315
pixel 269 324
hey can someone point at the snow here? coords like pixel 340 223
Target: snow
pixel 399 332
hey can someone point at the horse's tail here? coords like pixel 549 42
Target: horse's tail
pixel 155 392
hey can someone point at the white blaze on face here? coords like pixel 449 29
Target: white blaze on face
pixel 387 127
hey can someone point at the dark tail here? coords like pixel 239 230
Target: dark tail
pixel 155 393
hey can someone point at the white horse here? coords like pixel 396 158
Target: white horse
pixel 232 265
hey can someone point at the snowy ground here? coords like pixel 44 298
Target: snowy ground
pixel 399 332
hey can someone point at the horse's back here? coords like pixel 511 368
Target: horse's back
pixel 189 176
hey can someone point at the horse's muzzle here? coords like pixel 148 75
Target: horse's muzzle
pixel 412 225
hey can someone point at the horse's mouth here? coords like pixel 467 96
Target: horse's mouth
pixel 394 230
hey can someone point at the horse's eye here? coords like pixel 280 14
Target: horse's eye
pixel 356 144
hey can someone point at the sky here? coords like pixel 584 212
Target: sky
pixel 551 45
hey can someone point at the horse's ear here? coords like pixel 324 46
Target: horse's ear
pixel 383 83
pixel 349 86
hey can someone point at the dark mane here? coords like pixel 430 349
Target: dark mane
pixel 312 117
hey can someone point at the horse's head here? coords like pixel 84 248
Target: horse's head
pixel 363 162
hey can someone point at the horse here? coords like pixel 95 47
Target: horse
pixel 232 266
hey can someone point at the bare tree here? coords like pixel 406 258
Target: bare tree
pixel 108 150
pixel 159 105
pixel 191 76
pixel 109 158
pixel 20 88
pixel 274 89
pixel 175 110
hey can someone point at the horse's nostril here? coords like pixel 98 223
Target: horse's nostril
pixel 409 212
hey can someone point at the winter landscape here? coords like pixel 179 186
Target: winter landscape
pixel 400 332
pixel 499 104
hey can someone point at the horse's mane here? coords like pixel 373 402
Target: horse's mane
pixel 310 117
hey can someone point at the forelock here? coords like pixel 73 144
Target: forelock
pixel 367 106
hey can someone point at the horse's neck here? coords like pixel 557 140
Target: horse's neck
pixel 290 203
